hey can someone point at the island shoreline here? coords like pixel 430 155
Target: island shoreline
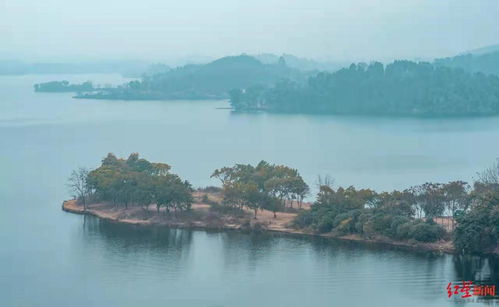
pixel 441 247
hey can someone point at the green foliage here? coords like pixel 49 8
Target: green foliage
pixel 477 230
pixel 487 63
pixel 264 186
pixel 365 212
pixel 430 198
pixel 136 181
pixel 207 81
pixel 410 214
pixel 404 231
pixel 427 232
pixel 325 223
pixel 400 88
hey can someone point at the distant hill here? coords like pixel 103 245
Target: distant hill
pixel 400 88
pixel 484 60
pixel 483 50
pixel 302 64
pixel 208 81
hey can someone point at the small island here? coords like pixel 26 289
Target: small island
pixel 452 217
pixel 63 86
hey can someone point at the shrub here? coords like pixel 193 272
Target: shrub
pixel 404 230
pixel 229 210
pixel 303 219
pixel 346 222
pixel 397 221
pixel 361 221
pixel 381 223
pixel 325 224
pixel 427 232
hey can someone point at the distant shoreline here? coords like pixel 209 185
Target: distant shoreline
pixel 264 223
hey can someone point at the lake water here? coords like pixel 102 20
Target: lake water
pixel 52 258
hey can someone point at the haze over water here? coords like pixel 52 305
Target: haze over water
pixel 52 258
pixel 196 137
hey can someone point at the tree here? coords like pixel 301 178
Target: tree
pixel 78 185
pixel 160 169
pixel 490 175
pixel 477 230
pixel 271 204
pixel 430 199
pixel 262 186
pixel 172 193
pixel 136 181
pixel 252 198
pixel 456 198
pixel 110 160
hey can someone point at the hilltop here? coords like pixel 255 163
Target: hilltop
pixel 484 60
pixel 201 81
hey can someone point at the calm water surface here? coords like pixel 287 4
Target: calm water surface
pixel 51 258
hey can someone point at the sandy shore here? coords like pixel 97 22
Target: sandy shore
pixel 201 218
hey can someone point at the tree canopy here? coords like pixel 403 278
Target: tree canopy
pixel 264 186
pixel 136 181
pixel 487 63
pixel 477 228
pixel 400 215
pixel 400 88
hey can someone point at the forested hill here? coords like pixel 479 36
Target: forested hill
pixel 400 88
pixel 485 62
pixel 212 80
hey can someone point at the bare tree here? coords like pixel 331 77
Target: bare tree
pixel 326 181
pixel 456 194
pixel 491 174
pixel 78 185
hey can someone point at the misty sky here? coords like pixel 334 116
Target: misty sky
pixel 322 29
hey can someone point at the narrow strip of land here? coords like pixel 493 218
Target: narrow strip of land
pixel 202 216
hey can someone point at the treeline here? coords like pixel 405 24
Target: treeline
pixel 487 63
pixel 400 88
pixel 206 81
pixel 264 186
pixel 470 216
pixel 63 86
pixel 132 182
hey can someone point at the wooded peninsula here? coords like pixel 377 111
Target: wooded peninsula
pixel 401 88
pixel 447 87
pixel 451 217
